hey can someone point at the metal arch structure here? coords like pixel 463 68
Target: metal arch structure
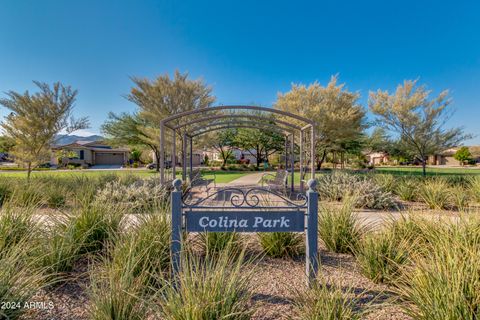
pixel 205 120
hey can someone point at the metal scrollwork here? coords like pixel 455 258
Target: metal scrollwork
pixel 247 198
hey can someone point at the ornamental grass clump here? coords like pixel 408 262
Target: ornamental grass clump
pixel 386 181
pixel 213 243
pixel 381 256
pixel 459 198
pixel 86 231
pixel 474 185
pixel 368 194
pixel 211 287
pixel 407 189
pixel 95 224
pixel 435 193
pixel 338 227
pixel 445 283
pixel 323 301
pixel 16 225
pixel 20 279
pixel 135 268
pixel 281 244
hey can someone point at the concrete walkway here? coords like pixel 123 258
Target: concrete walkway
pixel 246 180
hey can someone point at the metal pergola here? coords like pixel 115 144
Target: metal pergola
pixel 190 124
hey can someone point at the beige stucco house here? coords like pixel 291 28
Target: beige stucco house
pixel 376 158
pixel 88 153
pixel 446 157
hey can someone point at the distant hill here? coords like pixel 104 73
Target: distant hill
pixel 63 139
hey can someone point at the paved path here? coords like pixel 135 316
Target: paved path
pixel 246 180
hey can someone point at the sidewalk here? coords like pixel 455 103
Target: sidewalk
pixel 246 180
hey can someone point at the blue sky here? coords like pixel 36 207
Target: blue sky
pixel 248 51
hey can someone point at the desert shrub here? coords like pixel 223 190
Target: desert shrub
pixel 444 284
pixel 368 194
pixel 339 228
pixel 137 263
pixel 281 244
pixel 140 196
pixel 322 301
pixel 210 288
pixel 407 189
pixel 386 181
pixel 20 279
pixel 435 193
pixel 381 255
pixel 213 243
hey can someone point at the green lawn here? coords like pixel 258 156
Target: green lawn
pixel 432 171
pixel 221 176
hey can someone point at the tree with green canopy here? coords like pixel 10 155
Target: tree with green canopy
pixel 132 130
pixel 36 119
pixel 156 100
pixel 223 141
pixel 259 143
pixel 463 155
pixel 418 119
pixel 339 118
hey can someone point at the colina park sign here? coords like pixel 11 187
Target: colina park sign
pixel 246 215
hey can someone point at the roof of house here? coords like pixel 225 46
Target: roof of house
pixel 474 150
pixel 92 145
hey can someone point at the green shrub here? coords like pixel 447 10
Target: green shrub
pixel 445 283
pixel 339 228
pixel 281 244
pixel 435 193
pixel 213 243
pixel 322 301
pixel 216 287
pixel 368 194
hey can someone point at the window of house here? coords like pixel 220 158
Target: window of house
pixel 82 154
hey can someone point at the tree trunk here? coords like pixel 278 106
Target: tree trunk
pixel 424 168
pixel 29 171
pixel 259 157
pixel 157 157
pixel 320 162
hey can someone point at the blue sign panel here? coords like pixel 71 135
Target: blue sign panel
pixel 245 221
